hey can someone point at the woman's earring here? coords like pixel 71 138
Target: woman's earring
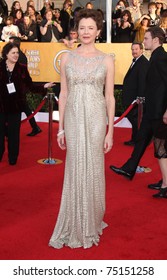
pixel 97 39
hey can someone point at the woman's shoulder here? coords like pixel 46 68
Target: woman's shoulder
pixel 21 67
pixel 108 61
pixel 64 57
pixel 107 56
pixel 95 54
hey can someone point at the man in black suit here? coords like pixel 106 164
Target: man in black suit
pixel 134 86
pixel 156 100
pixel 154 122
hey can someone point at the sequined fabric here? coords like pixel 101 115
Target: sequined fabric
pixel 80 218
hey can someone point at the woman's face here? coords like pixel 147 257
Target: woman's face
pixel 152 9
pixel 30 11
pixel 125 17
pixel 68 6
pixel 49 15
pixel 159 5
pixel 8 22
pixel 13 55
pixel 17 6
pixel 135 2
pixel 87 30
pixel 57 14
pixel 144 22
pixel 19 15
pixel 31 3
pixel 26 20
pixel 121 4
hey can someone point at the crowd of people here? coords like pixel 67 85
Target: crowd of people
pixel 51 24
pixel 130 20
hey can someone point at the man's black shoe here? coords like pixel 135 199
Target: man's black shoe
pixel 35 131
pixel 155 186
pixel 129 143
pixel 161 194
pixel 12 161
pixel 120 171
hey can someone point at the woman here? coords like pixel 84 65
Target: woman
pixel 28 30
pixel 30 3
pixel 140 28
pixel 3 8
pixel 116 15
pixel 9 29
pixel 124 29
pixel 163 24
pixel 14 78
pixel 50 29
pixel 32 13
pixel 66 16
pixel 15 6
pixel 119 8
pixel 56 15
pixel 47 5
pixel 18 17
pixel 161 6
pixel 82 129
pixel 35 17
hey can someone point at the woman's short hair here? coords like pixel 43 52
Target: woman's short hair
pixel 6 49
pixel 48 11
pixel 90 13
pixel 10 18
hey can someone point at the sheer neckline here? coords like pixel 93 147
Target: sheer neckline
pixel 86 57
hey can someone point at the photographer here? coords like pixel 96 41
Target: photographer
pixel 66 15
pixel 51 30
pixel 48 5
pixel 116 15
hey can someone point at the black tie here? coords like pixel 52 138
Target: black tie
pixel 133 62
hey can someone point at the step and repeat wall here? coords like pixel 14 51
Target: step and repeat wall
pixel 44 59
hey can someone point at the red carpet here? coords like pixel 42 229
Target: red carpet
pixel 30 195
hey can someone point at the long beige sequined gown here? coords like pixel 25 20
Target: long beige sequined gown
pixel 80 219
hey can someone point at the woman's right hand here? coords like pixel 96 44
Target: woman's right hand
pixel 61 141
pixel 49 22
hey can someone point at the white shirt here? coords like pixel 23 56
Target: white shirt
pixel 8 31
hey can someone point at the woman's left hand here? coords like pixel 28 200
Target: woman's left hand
pixel 49 85
pixel 108 143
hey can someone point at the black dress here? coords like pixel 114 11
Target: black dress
pixel 124 35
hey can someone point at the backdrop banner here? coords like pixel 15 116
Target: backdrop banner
pixel 44 59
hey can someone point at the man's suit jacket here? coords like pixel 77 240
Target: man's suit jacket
pixel 14 103
pixel 134 81
pixel 156 84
